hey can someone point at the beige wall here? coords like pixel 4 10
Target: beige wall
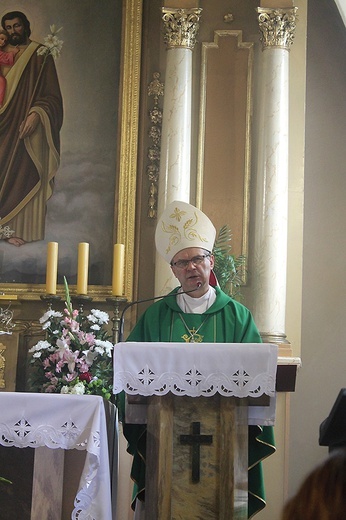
pixel 323 329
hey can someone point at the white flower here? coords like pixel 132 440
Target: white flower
pixel 62 347
pixel 98 316
pixel 89 356
pixel 52 44
pixel 41 345
pixel 46 325
pixel 50 314
pixel 54 30
pixel 102 346
pixel 37 354
pixel 78 389
pixel 95 327
pixel 41 51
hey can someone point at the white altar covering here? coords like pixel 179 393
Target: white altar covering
pixel 199 369
pixel 68 422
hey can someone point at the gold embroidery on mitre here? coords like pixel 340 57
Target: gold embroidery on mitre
pixel 188 228
pixel 177 214
pixel 190 232
pixel 175 235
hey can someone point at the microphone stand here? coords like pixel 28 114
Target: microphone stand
pixel 130 304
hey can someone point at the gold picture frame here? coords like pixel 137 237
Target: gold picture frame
pixel 126 167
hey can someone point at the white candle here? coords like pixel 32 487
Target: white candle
pixel 83 266
pixel 52 267
pixel 118 269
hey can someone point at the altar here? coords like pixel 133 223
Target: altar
pixel 52 424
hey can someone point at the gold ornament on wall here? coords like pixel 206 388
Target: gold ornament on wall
pixel 2 365
pixel 6 324
pixel 156 90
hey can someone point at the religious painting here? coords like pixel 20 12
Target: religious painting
pixel 60 86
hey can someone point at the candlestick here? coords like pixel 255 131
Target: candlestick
pixel 50 299
pixel 83 266
pixel 118 269
pixel 52 267
pixel 116 301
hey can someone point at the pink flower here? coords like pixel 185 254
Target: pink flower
pixel 70 377
pixel 84 367
pixel 50 389
pixel 86 337
pixel 70 359
pixel 54 358
pixel 46 363
pixel 59 366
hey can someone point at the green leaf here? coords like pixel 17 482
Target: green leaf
pixel 229 270
pixel 67 297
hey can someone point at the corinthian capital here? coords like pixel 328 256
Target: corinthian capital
pixel 181 27
pixel 277 26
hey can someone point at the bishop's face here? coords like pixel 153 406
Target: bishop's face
pixel 196 272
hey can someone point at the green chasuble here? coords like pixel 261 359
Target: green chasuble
pixel 226 321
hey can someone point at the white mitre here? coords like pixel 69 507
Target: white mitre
pixel 181 225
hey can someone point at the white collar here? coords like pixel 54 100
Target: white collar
pixel 191 305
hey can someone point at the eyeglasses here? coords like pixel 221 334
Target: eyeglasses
pixel 196 260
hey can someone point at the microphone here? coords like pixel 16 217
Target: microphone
pixel 128 305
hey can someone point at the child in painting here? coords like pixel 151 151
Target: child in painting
pixel 6 58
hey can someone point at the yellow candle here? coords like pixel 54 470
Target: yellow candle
pixel 118 269
pixel 52 267
pixel 83 266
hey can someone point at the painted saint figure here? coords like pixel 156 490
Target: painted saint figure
pixel 30 122
pixel 6 58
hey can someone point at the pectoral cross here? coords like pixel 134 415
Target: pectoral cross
pixel 195 440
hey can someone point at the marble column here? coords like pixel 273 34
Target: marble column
pixel 277 28
pixel 180 30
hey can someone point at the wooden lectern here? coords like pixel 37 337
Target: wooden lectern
pixel 196 458
pixel 199 400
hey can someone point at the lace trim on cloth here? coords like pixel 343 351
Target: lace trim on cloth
pixel 67 422
pixel 237 370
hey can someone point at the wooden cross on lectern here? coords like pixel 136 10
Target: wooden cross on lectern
pixel 195 440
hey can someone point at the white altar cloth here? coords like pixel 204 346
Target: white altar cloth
pixel 68 422
pixel 195 369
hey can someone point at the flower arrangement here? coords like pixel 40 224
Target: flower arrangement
pixel 76 355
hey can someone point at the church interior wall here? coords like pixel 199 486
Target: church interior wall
pixel 323 291
pixel 316 305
